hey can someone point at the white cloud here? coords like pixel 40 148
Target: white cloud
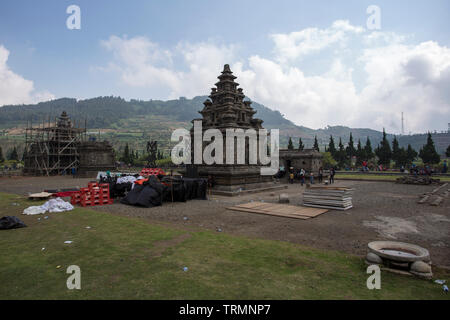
pixel 300 43
pixel 409 78
pixel 142 63
pixel 14 89
pixel 399 77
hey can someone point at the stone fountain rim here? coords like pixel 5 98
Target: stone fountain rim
pixel 421 254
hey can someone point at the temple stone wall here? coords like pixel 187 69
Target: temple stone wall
pixel 307 159
pixel 95 156
pixel 227 109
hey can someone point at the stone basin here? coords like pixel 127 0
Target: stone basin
pixel 399 251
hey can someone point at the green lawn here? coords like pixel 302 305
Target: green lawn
pixel 128 258
pixel 357 176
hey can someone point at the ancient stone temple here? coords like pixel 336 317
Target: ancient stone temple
pixel 51 147
pixel 60 147
pixel 227 109
pixel 309 159
pixel 95 156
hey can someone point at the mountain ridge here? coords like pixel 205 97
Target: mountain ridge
pixel 118 115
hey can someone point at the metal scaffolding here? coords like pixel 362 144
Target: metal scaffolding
pixel 52 147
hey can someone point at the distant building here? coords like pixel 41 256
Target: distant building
pixel 60 147
pixel 307 159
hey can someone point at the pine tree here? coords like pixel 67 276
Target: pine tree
pixel 368 152
pixel 411 154
pixel 350 150
pixel 428 152
pixel 316 144
pixel 341 156
pixel 396 152
pixel 402 158
pixel 332 147
pixel 290 144
pixel 126 154
pixel 360 156
pixel 301 146
pixel 384 152
pixel 447 152
pixel 13 155
pixel 1 155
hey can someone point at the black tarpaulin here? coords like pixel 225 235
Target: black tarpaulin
pixel 11 222
pixel 149 194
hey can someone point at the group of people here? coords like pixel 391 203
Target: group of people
pixel 301 175
pixel 427 170
pixel 423 171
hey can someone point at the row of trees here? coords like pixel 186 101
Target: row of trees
pixel 301 146
pixel 10 155
pixel 132 157
pixel 402 157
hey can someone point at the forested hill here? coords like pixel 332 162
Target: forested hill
pixel 119 115
pixel 104 112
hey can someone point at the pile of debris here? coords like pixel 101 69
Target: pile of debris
pixel 338 198
pixel 412 179
pixel 433 197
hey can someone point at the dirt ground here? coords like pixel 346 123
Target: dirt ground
pixel 382 211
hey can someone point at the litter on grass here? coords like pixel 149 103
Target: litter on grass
pixel 68 242
pixel 11 222
pixel 53 205
pixel 33 210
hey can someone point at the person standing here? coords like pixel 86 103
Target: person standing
pixel 291 177
pixel 311 177
pixel 302 176
pixel 320 174
pixel 332 172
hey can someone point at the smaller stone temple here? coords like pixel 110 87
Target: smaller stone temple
pixel 60 147
pixel 227 109
pixel 307 159
pixel 95 156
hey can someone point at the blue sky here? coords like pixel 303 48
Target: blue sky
pixel 182 45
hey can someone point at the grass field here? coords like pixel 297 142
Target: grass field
pixel 386 177
pixel 128 258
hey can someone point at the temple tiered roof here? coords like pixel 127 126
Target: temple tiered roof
pixel 226 107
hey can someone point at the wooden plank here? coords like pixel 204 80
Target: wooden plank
pixel 269 213
pixel 287 209
pixel 281 210
pixel 312 212
pixel 250 204
pixel 268 207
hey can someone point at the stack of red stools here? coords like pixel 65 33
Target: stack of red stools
pixel 94 195
pixel 151 172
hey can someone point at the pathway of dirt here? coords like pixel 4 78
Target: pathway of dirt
pixel 382 211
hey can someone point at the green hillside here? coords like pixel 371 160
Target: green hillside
pixel 135 121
